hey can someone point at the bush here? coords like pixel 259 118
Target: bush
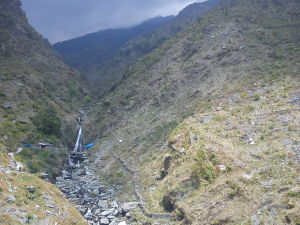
pixel 87 99
pixel 203 169
pixel 47 121
pixel 43 160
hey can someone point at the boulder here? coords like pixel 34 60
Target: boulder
pixel 103 204
pixel 107 212
pixel 128 206
pixel 10 198
pixel 31 189
pixel 104 221
pixel 7 105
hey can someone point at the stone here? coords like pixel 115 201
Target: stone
pixel 95 192
pixel 182 150
pixel 103 204
pixel 104 221
pixel 128 206
pixel 219 109
pixel 50 206
pixel 247 176
pixel 128 215
pixel 113 223
pixel 7 105
pixel 31 189
pixel 222 167
pixel 107 212
pixel 10 198
pixel 122 223
pixel 193 138
pixel 5 137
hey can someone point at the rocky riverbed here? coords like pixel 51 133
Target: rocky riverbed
pixel 96 203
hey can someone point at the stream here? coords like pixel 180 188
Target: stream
pixel 81 186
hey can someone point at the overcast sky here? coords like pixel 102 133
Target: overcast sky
pixel 60 20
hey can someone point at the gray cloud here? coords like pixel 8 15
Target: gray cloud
pixel 59 20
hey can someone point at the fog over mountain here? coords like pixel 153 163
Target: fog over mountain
pixel 61 20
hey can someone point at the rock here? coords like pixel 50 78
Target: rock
pixel 166 166
pixel 104 221
pixel 222 167
pixel 10 198
pixel 128 206
pixel 193 138
pixel 50 206
pixel 182 150
pixel 206 119
pixel 82 172
pixel 5 137
pixel 7 105
pixel 95 192
pixel 295 190
pixel 48 212
pixel 103 204
pixel 113 223
pixel 247 176
pixel 122 223
pixel 107 212
pixel 31 189
pixel 218 109
pixel 294 99
pixel 239 164
pixel 128 215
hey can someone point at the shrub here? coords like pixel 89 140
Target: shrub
pixel 203 169
pixel 87 99
pixel 47 121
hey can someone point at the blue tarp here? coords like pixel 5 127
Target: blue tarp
pixel 89 146
pixel 27 145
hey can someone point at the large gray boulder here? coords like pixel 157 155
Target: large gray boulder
pixel 128 206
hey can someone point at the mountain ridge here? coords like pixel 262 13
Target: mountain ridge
pixel 101 77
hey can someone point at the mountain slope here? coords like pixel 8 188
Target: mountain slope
pixel 39 95
pixel 84 52
pixel 102 76
pixel 252 42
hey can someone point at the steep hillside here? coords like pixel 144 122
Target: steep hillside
pixel 102 76
pixel 241 60
pixel 38 92
pixel 27 199
pixel 96 48
pixel 38 96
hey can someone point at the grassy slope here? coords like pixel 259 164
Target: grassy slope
pixel 47 205
pixel 252 129
pixel 32 77
pixel 239 40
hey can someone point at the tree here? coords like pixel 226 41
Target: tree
pixel 48 122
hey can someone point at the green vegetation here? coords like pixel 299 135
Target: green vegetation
pixel 43 160
pixel 48 121
pixel 203 169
